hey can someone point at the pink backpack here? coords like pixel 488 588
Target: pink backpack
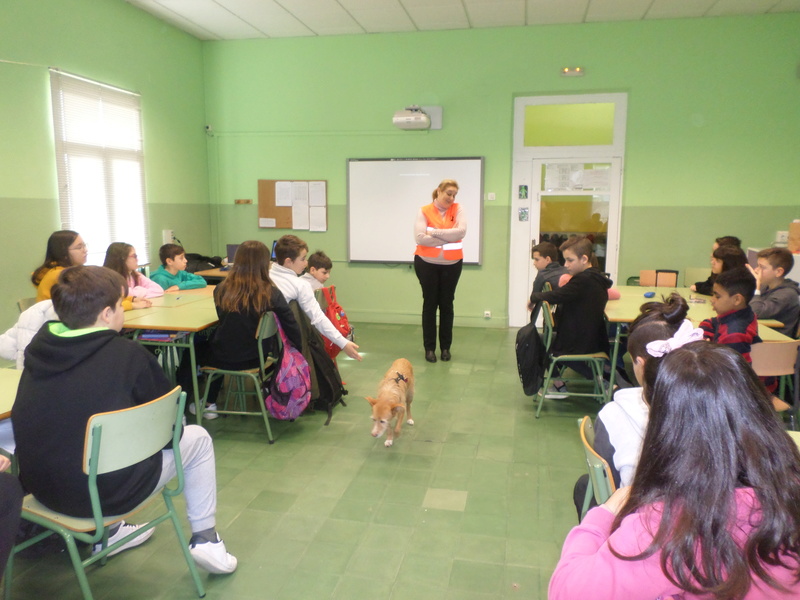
pixel 290 389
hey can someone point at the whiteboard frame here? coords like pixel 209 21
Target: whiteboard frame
pixel 472 203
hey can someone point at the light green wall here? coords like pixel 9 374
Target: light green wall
pixel 110 41
pixel 712 133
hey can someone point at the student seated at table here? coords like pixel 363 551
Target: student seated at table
pixel 319 270
pixel 721 261
pixel 290 254
pixel 548 270
pixel 172 275
pixel 618 431
pixel 79 367
pixel 776 296
pixel 714 508
pixel 65 248
pixel 241 299
pixel 581 327
pixel 122 258
pixel 736 324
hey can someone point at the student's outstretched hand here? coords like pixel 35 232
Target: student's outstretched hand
pixel 4 462
pixel 618 499
pixel 755 273
pixel 352 351
pixel 142 303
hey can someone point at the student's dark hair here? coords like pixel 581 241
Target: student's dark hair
pixel 580 246
pixel 737 281
pixel 116 258
pixel 289 246
pixel 731 257
pixel 247 288
pixel 320 260
pixel 546 250
pixel 170 251
pixel 57 253
pixel 81 294
pixel 656 321
pixel 778 258
pixel 729 240
pixel 711 431
pixel 445 183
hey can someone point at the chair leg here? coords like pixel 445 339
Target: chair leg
pixel 77 565
pixel 263 407
pixel 202 403
pixel 545 385
pixel 201 592
pixel 587 498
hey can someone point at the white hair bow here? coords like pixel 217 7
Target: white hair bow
pixel 686 334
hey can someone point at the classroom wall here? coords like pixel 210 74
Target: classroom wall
pixel 711 134
pixel 112 42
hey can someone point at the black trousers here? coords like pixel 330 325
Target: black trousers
pixel 10 510
pixel 438 284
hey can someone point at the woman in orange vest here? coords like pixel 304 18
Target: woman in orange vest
pixel 439 232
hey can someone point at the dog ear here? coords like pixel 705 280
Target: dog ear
pixel 372 401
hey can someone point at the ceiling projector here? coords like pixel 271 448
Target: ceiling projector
pixel 413 117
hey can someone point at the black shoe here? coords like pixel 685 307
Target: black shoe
pixel 430 355
pixel 445 355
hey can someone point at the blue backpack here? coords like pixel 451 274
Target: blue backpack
pixel 290 389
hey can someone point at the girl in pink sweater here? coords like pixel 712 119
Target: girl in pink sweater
pixel 714 508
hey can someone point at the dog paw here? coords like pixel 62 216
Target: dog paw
pixel 388 443
pixel 410 421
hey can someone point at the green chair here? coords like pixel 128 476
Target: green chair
pixel 115 440
pixel 595 360
pixel 24 304
pixel 601 481
pixel 236 391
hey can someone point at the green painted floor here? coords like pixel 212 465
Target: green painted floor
pixel 471 503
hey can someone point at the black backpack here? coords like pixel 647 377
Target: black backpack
pixel 326 383
pixel 531 359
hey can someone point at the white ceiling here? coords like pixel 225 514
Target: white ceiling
pixel 246 19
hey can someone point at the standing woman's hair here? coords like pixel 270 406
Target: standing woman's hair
pixel 656 321
pixel 117 258
pixel 446 183
pixel 247 288
pixel 711 430
pixel 57 253
pixel 731 257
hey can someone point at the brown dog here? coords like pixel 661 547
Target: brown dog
pixel 395 393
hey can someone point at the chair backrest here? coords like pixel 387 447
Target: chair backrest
pixel 599 471
pixel 548 327
pixel 24 304
pixel 647 278
pixel 122 438
pixel 267 328
pixel 547 287
pixel 666 278
pixel 773 359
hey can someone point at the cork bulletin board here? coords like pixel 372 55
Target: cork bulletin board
pixel 293 204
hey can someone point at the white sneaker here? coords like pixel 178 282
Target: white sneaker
pixel 206 415
pixel 213 557
pixel 123 530
pixel 557 392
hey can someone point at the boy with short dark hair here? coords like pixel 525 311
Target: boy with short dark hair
pixel 172 275
pixel 319 270
pixel 81 366
pixel 291 261
pixel 736 324
pixel 776 296
pixel 549 270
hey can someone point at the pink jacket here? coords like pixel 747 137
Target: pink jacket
pixel 146 288
pixel 588 569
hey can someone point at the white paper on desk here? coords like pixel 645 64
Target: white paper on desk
pixel 283 193
pixel 318 218
pixel 316 194
pixel 264 222
pixel 300 192
pixel 300 214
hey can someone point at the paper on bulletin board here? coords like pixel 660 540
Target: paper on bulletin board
pixel 267 223
pixel 317 194
pixel 318 218
pixel 300 217
pixel 283 193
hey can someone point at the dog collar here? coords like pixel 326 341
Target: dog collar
pixel 400 377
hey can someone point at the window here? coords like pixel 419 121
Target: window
pixel 98 136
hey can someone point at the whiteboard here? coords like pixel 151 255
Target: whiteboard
pixel 384 196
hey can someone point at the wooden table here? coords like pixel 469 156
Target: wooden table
pixel 9 382
pixel 795 435
pixel 626 309
pixel 216 275
pixel 185 312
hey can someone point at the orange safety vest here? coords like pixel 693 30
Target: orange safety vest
pixel 450 250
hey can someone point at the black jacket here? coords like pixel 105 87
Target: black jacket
pixel 67 380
